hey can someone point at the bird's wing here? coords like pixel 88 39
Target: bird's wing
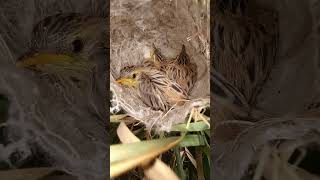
pixel 159 92
pixel 151 94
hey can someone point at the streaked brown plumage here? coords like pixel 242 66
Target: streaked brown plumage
pixel 155 89
pixel 245 45
pixel 179 69
pixel 161 83
pixel 70 49
pixel 72 35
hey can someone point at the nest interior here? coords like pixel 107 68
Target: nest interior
pixel 135 26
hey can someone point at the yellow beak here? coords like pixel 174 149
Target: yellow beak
pixel 127 82
pixel 44 58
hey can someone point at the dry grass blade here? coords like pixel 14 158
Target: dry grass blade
pixel 190 157
pixel 125 135
pixel 124 157
pixel 117 118
pixel 158 169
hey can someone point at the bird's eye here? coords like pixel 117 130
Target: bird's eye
pixel 77 45
pixel 134 75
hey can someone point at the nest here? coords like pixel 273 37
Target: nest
pixel 135 26
pixel 264 149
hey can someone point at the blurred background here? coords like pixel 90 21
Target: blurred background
pixel 41 134
pixel 284 142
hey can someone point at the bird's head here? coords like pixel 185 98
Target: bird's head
pixel 65 42
pixel 131 76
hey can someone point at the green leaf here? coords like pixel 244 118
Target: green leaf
pixel 193 140
pixel 179 164
pixel 197 126
pixel 207 132
pixel 206 167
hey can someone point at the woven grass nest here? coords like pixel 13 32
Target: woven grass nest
pixel 135 26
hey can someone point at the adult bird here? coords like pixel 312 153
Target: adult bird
pixel 71 50
pixel 245 41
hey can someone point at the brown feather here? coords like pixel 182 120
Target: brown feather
pixel 245 46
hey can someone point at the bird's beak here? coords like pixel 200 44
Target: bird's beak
pixel 126 81
pixel 43 58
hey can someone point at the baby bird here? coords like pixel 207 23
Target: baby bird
pixel 179 69
pixel 67 44
pixel 154 87
pixel 161 83
pixel 245 45
pixel 71 48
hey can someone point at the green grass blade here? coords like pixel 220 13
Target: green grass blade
pixel 197 126
pixel 193 140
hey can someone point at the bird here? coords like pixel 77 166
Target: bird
pixel 245 43
pixel 153 86
pixel 67 58
pixel 65 39
pixel 244 51
pixel 161 82
pixel 179 69
pixel 72 48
